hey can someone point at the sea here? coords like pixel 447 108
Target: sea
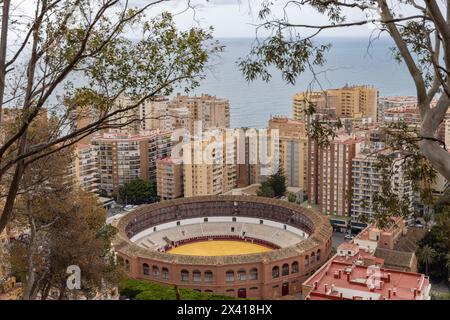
pixel 352 61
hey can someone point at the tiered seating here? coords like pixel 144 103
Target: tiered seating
pixel 279 237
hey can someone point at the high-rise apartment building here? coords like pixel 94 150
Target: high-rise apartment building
pixel 85 167
pixel 330 173
pixel 292 149
pixel 169 178
pixel 303 100
pixel 209 167
pixel 367 182
pixel 213 112
pixel 394 102
pixel 355 101
pixel 345 102
pixel 125 157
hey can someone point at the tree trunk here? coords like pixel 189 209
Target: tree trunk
pixel 3 46
pixel 30 285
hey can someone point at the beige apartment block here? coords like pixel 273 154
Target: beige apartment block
pixel 292 149
pixel 345 102
pixel 169 178
pixel 209 167
pixel 213 112
pixel 85 168
pixel 303 100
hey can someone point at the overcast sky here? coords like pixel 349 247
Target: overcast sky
pixel 237 18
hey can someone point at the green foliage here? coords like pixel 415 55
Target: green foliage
pixel 292 197
pixel 274 186
pixel 138 192
pixel 440 296
pixel 144 290
pixel 436 244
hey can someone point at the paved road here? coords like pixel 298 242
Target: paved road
pixel 338 238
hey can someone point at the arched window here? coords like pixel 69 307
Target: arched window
pixel 196 276
pixel 318 255
pixel 285 269
pixel 155 271
pixel 275 272
pixel 146 269
pixel 294 267
pixel 208 276
pixel 165 273
pixel 313 258
pixel 306 261
pixel 241 275
pixel 184 275
pixel 254 274
pixel 229 275
pixel 127 265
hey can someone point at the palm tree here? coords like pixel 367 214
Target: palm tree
pixel 426 256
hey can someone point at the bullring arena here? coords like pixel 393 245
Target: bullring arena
pixel 241 246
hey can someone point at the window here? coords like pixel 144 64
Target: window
pixel 229 276
pixel 312 258
pixel 127 265
pixel 285 227
pixel 184 275
pixel 261 221
pixel 145 269
pixel 205 219
pixel 155 270
pixel 234 219
pixel 165 273
pixel 318 255
pixel 294 267
pixel 232 229
pixel 178 223
pixel 275 272
pixel 154 229
pixel 208 276
pixel 306 261
pixel 196 276
pixel 254 274
pixel 285 269
pixel 241 275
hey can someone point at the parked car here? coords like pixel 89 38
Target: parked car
pixel 348 237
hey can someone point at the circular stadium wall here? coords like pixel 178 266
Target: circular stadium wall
pixel 293 242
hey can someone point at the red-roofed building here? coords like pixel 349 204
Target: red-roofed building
pixel 340 280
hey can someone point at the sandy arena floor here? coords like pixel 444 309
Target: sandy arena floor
pixel 218 248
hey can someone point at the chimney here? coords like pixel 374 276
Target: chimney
pixel 388 277
pixel 389 293
pixel 326 288
pixel 340 272
pixel 348 277
pixel 340 295
pixel 415 293
pixel 394 291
